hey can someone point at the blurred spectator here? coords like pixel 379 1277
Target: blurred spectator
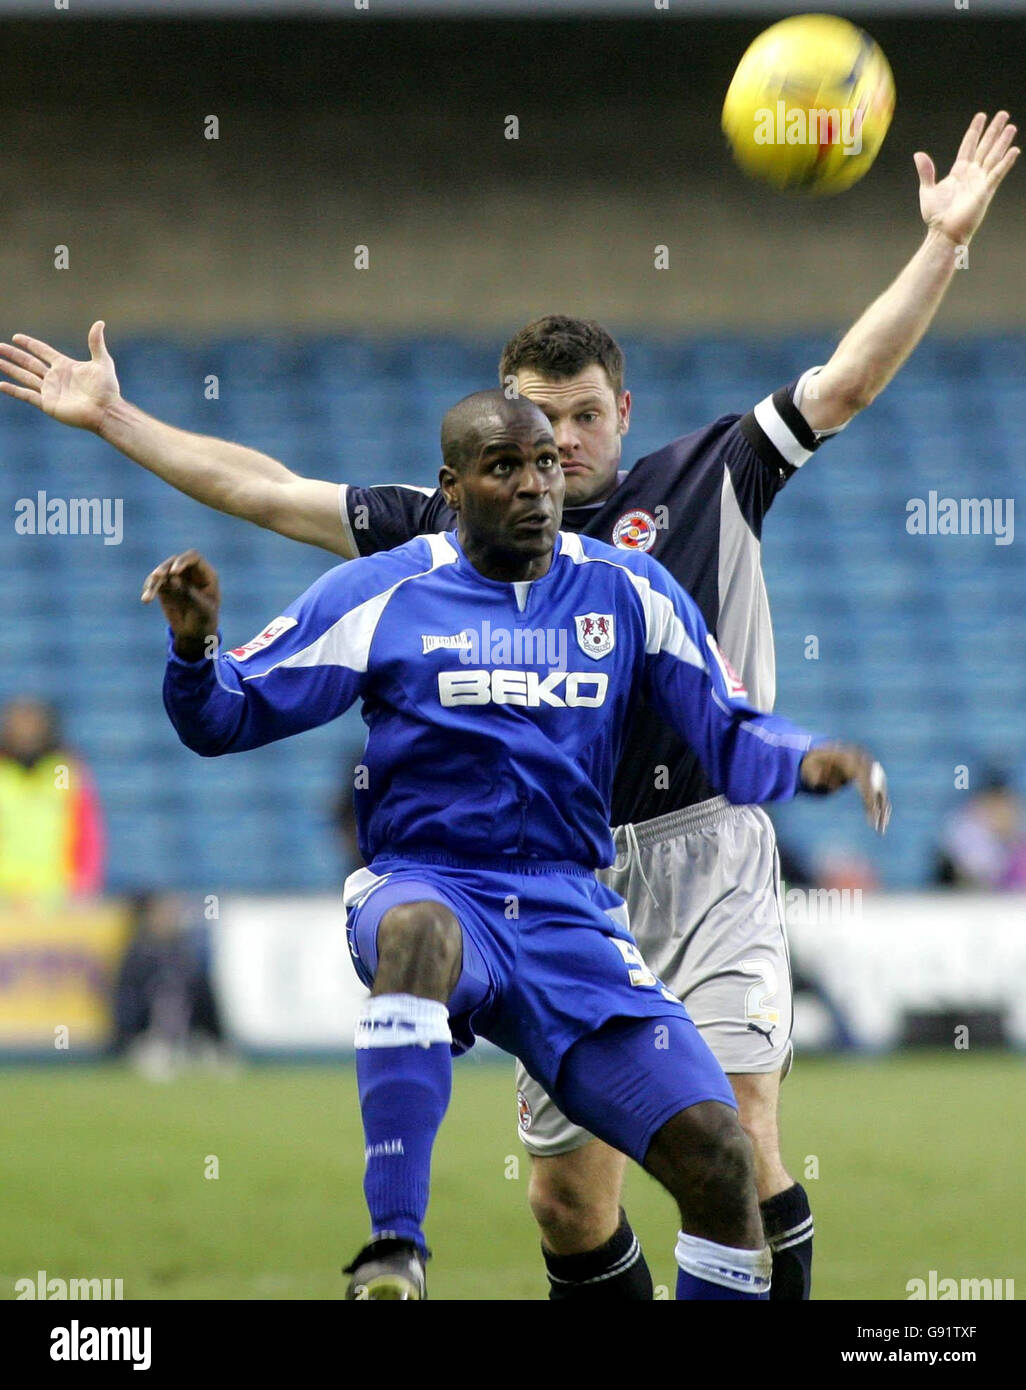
pixel 841 866
pixel 51 825
pixel 165 1011
pixel 983 844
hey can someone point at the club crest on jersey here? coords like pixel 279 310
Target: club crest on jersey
pixel 595 634
pixel 263 639
pixel 635 530
pixel 524 1116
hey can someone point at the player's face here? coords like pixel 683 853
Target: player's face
pixel 510 495
pixel 588 421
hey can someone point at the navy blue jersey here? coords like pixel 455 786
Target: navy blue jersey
pixel 496 711
pixel 697 506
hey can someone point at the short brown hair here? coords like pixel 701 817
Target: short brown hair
pixel 560 347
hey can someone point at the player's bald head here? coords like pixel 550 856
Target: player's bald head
pixel 501 476
pixel 470 420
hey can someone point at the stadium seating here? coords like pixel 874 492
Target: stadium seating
pixel 919 637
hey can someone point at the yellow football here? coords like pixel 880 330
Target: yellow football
pixel 809 105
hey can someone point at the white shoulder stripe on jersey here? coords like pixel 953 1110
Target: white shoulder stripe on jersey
pixel 779 434
pixel 348 641
pixel 411 487
pixel 442 552
pixel 570 546
pixel 664 631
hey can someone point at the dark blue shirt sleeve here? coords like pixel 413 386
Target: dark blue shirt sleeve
pixel 380 518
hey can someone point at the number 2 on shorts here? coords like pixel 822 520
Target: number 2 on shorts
pixel 757 1006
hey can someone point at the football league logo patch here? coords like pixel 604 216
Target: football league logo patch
pixel 735 685
pixel 263 639
pixel 635 531
pixel 595 634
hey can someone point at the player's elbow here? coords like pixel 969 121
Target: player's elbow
pixel 847 399
pixel 204 744
pixel 198 735
pixel 857 401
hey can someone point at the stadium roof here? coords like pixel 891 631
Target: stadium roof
pixel 481 9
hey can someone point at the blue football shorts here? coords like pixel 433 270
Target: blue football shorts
pixel 551 974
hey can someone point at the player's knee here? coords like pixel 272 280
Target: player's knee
pixel 420 948
pixel 726 1148
pixel 735 1156
pixel 571 1213
pixel 757 1098
pixel 703 1155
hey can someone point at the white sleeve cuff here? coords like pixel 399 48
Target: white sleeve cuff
pixel 343 514
pixel 799 392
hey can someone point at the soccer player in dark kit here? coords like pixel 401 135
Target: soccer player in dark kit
pixel 488 785
pixel 699 876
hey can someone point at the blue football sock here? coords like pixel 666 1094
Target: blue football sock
pixel 404 1070
pixel 707 1271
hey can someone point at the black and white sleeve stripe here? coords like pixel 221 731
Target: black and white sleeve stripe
pixel 778 431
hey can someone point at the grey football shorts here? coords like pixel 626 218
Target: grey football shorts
pixel 702 887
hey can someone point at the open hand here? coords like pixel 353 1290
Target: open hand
pixel 74 393
pixel 956 206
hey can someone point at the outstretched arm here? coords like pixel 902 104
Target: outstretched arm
pixel 229 477
pixel 872 351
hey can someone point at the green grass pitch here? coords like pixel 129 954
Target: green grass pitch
pixel 103 1174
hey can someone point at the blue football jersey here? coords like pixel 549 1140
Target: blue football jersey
pixel 697 505
pixel 496 711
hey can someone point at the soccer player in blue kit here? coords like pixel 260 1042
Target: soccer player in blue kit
pixel 486 815
pixel 699 875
